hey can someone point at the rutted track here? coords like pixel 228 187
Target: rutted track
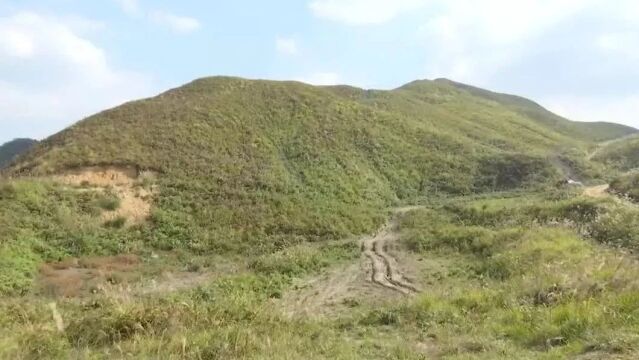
pixel 377 276
pixel 385 270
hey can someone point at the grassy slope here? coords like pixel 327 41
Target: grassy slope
pixel 622 154
pixel 589 131
pixel 13 148
pixel 258 165
pixel 510 283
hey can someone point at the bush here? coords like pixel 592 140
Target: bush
pixel 108 203
pixel 18 265
pixel 618 227
pixel 509 171
pixel 116 223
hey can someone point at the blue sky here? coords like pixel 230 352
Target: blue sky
pixel 62 60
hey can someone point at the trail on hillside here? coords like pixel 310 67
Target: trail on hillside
pixel 377 276
pixel 384 268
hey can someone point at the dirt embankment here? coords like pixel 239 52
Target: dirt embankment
pixel 124 182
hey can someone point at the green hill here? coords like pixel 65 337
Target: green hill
pixel 588 131
pixel 258 165
pixel 10 150
pixel 243 219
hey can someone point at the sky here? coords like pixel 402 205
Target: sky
pixel 63 60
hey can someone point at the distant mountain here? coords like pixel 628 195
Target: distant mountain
pixel 590 131
pixel 13 148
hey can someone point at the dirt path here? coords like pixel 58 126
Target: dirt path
pixel 378 276
pixel 384 268
pixel 599 191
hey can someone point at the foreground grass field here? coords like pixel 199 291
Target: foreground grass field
pixel 514 276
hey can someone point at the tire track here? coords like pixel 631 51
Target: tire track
pixel 376 275
pixel 385 269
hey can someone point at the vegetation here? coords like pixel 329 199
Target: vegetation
pixel 627 185
pixel 522 279
pixel 13 148
pixel 278 163
pixel 589 131
pixel 261 188
pixel 622 155
pixel 517 277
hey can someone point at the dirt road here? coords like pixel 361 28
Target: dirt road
pixel 377 276
pixel 384 268
pixel 599 191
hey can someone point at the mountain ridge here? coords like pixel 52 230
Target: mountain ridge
pixel 590 131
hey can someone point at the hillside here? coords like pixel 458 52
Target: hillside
pixel 244 219
pixel 621 154
pixel 10 150
pixel 588 131
pixel 277 162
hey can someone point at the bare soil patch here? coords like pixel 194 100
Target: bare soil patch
pixel 124 182
pixel 80 277
pixel 121 277
pixel 599 191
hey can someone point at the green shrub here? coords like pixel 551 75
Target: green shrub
pixel 618 227
pixel 108 202
pixel 116 223
pixel 18 266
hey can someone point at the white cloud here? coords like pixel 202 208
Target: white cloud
pixel 180 24
pixel 15 43
pixel 177 23
pixel 619 44
pixel 130 7
pixel 51 75
pixel 321 78
pixel 474 40
pixel 619 109
pixel 287 46
pixel 362 12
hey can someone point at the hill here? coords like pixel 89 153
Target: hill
pixel 10 150
pixel 273 163
pixel 621 154
pixel 588 131
pixel 243 219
